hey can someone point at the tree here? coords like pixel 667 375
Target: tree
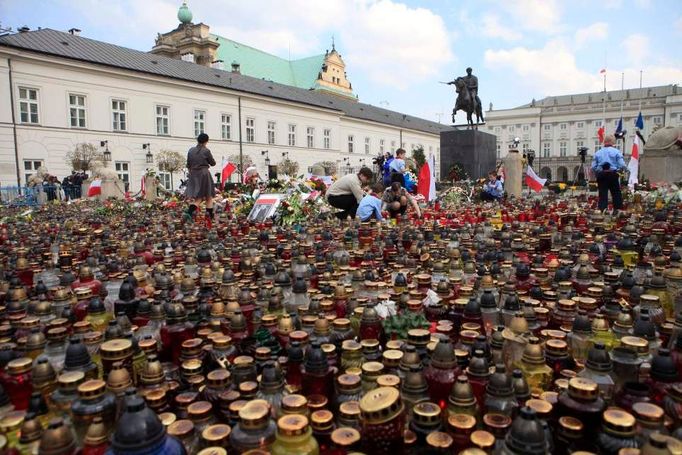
pixel 234 159
pixel 85 157
pixel 170 161
pixel 418 156
pixel 329 167
pixel 288 167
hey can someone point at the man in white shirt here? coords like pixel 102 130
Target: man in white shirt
pixel 346 193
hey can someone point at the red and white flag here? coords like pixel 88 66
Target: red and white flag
pixel 533 180
pixel 600 133
pixel 95 188
pixel 633 165
pixel 427 179
pixel 143 187
pixel 226 171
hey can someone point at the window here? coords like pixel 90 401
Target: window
pixel 381 146
pixel 310 133
pixel 579 144
pixel 28 105
pixel 250 129
pixel 597 123
pixel 499 147
pixel 292 135
pixel 327 139
pixel 271 132
pixel 562 126
pixel 562 148
pixel 30 167
pixel 657 120
pixel 123 172
pixel 199 122
pixel 165 179
pixel 392 146
pixel 526 128
pixel 497 130
pixel 350 143
pixel 225 127
pixel 525 146
pixel 367 144
pixel 77 111
pixel 580 125
pixel 547 127
pixel 545 149
pixel 511 128
pixel 162 120
pixel 118 115
pixel 189 57
pixel 597 145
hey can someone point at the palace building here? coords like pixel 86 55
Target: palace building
pixel 555 127
pixel 60 89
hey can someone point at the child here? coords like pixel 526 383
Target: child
pixel 492 191
pixel 396 199
pixel 370 205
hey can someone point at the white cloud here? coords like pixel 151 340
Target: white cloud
pixel 595 32
pixel 492 28
pixel 636 47
pixel 536 15
pixel 552 70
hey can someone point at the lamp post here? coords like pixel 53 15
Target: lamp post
pixel 107 154
pixel 285 155
pixel 148 157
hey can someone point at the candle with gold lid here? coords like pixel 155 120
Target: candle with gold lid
pixel 583 402
pixel 93 400
pixel 294 435
pixel 382 419
pixel 618 432
pixel 255 428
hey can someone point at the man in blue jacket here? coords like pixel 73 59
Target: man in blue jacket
pixel 606 163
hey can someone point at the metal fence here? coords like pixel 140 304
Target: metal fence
pixel 39 194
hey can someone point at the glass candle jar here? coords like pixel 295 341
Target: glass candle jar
pixel 255 429
pixel 16 380
pixel 618 432
pixel 294 435
pixel 583 402
pixel 383 420
pixel 93 400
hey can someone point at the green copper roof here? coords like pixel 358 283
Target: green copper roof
pixel 256 63
pixel 184 14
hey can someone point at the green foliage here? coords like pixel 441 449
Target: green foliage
pixel 400 324
pixel 288 167
pixel 418 156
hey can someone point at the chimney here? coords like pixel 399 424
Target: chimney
pixel 24 29
pixel 75 31
pixel 218 64
pixel 236 68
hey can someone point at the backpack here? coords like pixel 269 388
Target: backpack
pixel 386 171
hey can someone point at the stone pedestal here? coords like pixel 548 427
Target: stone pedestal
pixel 661 166
pixel 513 173
pixel 474 150
pixel 151 185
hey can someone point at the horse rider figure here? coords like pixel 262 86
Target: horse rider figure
pixel 472 84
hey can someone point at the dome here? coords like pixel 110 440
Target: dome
pixel 184 14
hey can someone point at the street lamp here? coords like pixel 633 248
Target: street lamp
pixel 266 154
pixel 530 156
pixel 107 153
pixel 347 161
pixel 285 155
pixel 149 157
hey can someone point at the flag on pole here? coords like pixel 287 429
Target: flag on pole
pixel 619 127
pixel 600 133
pixel 95 188
pixel 639 123
pixel 143 187
pixel 427 180
pixel 633 165
pixel 227 169
pixel 533 180
pixel 602 71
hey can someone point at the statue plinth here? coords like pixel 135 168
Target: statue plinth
pixel 513 173
pixel 474 150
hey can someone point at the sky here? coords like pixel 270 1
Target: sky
pixel 396 52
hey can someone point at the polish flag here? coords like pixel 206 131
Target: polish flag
pixel 533 180
pixel 427 179
pixel 227 170
pixel 600 133
pixel 143 188
pixel 633 165
pixel 95 188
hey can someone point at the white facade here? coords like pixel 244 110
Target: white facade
pixel 555 127
pixel 59 103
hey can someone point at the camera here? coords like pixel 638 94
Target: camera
pixel 582 152
pixel 378 160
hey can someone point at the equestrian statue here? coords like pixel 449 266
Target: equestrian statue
pixel 467 98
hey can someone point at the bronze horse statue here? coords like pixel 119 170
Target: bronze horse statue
pixel 465 103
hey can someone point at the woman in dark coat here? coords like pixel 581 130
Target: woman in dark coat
pixel 200 182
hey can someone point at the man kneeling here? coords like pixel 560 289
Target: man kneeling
pixel 396 199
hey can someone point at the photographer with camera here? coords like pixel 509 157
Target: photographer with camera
pixel 606 163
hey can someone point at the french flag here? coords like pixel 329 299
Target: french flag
pixel 534 181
